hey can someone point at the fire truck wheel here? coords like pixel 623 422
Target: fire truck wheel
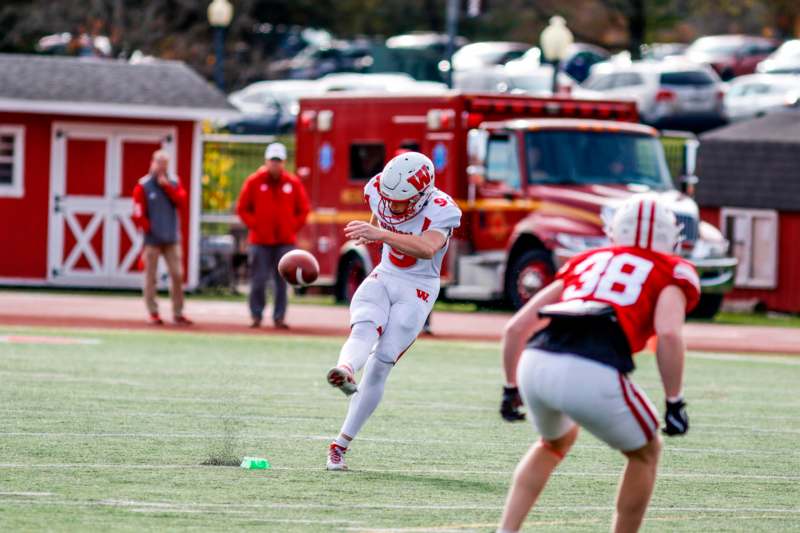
pixel 708 306
pixel 352 272
pixel 526 275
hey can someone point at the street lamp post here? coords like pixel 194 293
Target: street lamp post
pixel 555 40
pixel 220 13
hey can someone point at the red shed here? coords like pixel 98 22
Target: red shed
pixel 75 136
pixel 750 186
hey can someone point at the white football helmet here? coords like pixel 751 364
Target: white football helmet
pixel 408 177
pixel 643 221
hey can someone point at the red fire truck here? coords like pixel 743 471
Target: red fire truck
pixel 535 178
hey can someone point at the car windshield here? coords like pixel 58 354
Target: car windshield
pixel 596 157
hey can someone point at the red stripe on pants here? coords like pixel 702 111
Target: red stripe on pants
pixel 643 403
pixel 648 434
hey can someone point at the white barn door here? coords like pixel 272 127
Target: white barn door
pixel 92 239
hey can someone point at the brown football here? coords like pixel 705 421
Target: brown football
pixel 299 268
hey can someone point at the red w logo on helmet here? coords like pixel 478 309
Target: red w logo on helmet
pixel 421 179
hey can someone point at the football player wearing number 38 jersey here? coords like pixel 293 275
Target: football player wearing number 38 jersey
pixel 581 332
pixel 414 220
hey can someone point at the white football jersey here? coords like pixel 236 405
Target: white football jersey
pixel 440 213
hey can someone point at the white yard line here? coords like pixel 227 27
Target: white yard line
pixel 777 359
pixel 253 436
pixel 167 506
pixel 415 471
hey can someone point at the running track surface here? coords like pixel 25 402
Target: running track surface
pixel 127 312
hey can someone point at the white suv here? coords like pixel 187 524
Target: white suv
pixel 669 93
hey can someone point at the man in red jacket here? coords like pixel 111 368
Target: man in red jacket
pixel 273 204
pixel 157 200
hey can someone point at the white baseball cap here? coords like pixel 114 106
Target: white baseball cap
pixel 275 151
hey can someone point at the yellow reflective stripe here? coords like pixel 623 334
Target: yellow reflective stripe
pixel 337 217
pixel 488 205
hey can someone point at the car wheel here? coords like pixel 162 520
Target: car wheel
pixel 351 273
pixel 526 275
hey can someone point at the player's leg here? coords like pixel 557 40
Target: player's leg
pixel 639 477
pixel 538 376
pixel 362 405
pixel 369 311
pixel 636 486
pixel 405 318
pixel 531 476
pixel 613 409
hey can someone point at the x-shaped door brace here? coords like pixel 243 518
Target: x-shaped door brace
pixel 126 224
pixel 83 242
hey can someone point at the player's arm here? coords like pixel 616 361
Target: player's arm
pixel 523 325
pixel 420 246
pixel 669 318
pixel 519 329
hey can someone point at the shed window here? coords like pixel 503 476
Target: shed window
pixel 753 234
pixel 11 161
pixel 366 160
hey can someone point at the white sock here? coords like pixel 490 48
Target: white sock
pixel 501 530
pixel 370 392
pixel 341 441
pixel 357 347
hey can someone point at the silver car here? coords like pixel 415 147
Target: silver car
pixel 758 94
pixel 669 93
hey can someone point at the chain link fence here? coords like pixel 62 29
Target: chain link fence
pixel 227 162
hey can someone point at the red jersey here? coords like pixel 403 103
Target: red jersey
pixel 630 280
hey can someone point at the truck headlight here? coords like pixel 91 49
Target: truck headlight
pixel 710 243
pixel 580 243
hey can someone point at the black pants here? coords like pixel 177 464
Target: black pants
pixel 264 267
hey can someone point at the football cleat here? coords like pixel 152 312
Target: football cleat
pixel 342 378
pixel 336 457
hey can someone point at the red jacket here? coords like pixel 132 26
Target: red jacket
pixel 175 192
pixel 274 211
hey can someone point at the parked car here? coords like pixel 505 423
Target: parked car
pixel 537 80
pixel 758 94
pixel 421 54
pixel 670 93
pixel 731 55
pixel 320 59
pixel 487 54
pixel 372 83
pixel 784 60
pixel 269 107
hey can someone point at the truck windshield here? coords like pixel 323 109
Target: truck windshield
pixel 595 157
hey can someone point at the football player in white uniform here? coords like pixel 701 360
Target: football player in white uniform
pixel 414 220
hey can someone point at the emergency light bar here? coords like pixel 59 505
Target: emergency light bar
pixel 529 107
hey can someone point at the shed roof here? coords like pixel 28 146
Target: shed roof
pixel 753 164
pixel 102 87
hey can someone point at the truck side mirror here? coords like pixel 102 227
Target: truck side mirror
pixel 477 141
pixel 689 178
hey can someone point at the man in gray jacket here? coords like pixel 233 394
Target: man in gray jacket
pixel 157 201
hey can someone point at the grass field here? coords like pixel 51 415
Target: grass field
pixel 112 435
